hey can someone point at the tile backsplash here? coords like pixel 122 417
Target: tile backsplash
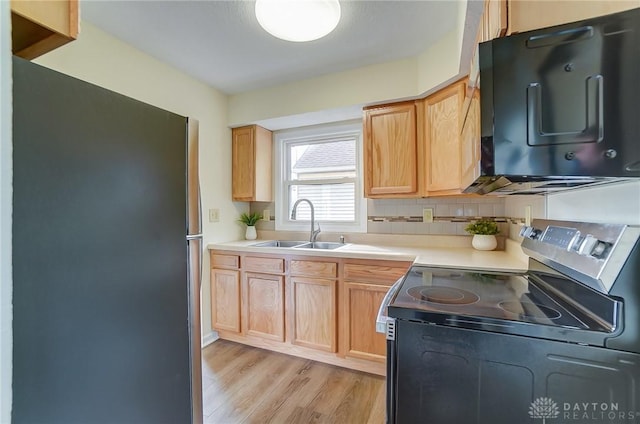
pixel 614 203
pixel 404 216
pixel 450 215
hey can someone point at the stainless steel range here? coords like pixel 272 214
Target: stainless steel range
pixel 560 341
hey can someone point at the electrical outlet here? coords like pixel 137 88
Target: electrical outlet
pixel 266 215
pixel 427 215
pixel 214 215
pixel 527 215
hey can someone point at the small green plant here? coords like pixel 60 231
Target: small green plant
pixel 483 227
pixel 250 219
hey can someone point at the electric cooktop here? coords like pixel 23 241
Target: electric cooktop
pixel 518 303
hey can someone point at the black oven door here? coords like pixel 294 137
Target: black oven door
pixel 444 375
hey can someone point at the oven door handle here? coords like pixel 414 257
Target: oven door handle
pixel 382 318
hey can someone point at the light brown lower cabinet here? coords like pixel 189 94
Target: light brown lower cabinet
pixel 314 313
pixel 364 287
pixel 319 308
pixel 363 301
pixel 225 299
pixel 264 298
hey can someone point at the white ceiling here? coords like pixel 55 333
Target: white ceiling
pixel 222 44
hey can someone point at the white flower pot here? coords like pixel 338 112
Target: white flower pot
pixel 484 242
pixel 251 233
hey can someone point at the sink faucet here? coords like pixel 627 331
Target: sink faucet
pixel 314 233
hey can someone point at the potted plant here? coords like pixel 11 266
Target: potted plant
pixel 250 220
pixel 484 234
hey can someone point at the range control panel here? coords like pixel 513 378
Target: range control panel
pixel 570 239
pixel 592 253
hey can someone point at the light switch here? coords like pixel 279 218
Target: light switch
pixel 266 215
pixel 214 215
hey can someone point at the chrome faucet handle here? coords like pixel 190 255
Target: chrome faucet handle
pixel 341 239
pixel 314 233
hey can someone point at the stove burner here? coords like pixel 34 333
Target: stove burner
pixel 530 310
pixel 443 295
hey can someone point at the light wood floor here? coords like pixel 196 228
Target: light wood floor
pixel 243 384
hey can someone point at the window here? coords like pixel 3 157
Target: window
pixel 321 164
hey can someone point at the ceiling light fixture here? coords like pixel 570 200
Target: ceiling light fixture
pixel 298 20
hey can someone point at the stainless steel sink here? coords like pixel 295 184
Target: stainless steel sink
pixel 280 243
pixel 320 245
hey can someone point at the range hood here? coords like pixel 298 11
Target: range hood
pixel 560 107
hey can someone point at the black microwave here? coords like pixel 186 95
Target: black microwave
pixel 560 107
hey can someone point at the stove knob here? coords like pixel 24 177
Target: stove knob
pixel 529 232
pixel 599 249
pixel 591 246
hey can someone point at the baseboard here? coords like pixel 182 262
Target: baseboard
pixel 209 338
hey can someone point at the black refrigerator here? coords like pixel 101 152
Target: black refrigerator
pixel 107 253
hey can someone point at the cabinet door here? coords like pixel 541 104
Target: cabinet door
pixel 314 313
pixel 442 139
pixel 390 151
pixel 527 15
pixel 363 301
pixel 41 26
pixel 251 164
pixel 242 165
pixel 494 19
pixel 470 143
pixel 264 298
pixel 225 299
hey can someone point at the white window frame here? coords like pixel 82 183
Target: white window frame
pixel 318 133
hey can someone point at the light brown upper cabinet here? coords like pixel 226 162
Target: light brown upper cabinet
pixel 527 15
pixel 493 23
pixel 440 129
pixel 412 149
pixel 251 164
pixel 390 151
pixel 39 26
pixel 470 143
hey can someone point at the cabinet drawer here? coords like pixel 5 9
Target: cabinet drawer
pixel 373 273
pixel 314 269
pixel 226 261
pixel 252 263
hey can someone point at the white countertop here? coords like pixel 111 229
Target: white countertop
pixel 450 257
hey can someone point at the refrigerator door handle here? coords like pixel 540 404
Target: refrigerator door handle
pixel 194 237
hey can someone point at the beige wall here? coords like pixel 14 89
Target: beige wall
pixel 346 92
pixel 6 339
pixel 613 204
pixel 103 60
pixel 354 87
